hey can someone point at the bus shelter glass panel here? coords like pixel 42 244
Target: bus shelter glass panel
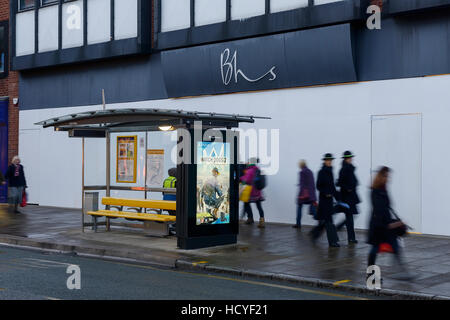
pixel 94 172
pixel 161 156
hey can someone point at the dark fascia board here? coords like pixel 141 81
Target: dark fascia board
pixel 93 52
pixel 308 17
pixel 408 6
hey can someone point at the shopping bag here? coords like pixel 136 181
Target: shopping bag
pixel 244 193
pixel 385 247
pixel 24 199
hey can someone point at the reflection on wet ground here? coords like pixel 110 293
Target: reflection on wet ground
pixel 276 249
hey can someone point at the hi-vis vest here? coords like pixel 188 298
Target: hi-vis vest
pixel 169 182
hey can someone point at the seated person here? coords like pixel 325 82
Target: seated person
pixel 170 182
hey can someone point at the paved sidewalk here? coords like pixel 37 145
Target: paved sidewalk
pixel 278 252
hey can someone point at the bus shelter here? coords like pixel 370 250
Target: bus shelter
pixel 207 188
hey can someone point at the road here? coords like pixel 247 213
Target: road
pixel 26 274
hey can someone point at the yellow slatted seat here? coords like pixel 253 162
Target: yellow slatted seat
pixel 133 215
pixel 141 203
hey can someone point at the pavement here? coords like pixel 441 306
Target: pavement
pixel 278 252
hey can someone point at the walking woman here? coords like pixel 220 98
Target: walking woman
pixel 348 183
pixel 382 227
pixel 307 193
pixel 325 210
pixel 17 183
pixel 256 195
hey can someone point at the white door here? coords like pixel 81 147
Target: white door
pixel 30 158
pixel 397 143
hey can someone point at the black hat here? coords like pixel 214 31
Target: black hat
pixel 328 156
pixel 347 154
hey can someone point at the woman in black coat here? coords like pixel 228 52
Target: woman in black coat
pixel 325 210
pixel 382 225
pixel 348 183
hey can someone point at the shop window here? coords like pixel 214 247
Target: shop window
pixel 26 4
pixel 3 49
pixel 46 2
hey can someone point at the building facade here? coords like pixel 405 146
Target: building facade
pixel 9 94
pixel 328 80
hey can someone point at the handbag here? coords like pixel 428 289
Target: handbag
pixel 304 195
pixel 402 230
pixel 245 192
pixel 24 199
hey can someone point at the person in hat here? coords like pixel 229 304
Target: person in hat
pixel 256 195
pixel 327 191
pixel 348 183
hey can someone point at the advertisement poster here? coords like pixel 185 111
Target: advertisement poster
pixel 155 167
pixel 213 183
pixel 126 159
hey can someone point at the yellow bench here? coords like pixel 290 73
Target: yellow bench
pixel 162 220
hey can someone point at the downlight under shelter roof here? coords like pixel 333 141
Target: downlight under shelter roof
pixel 142 120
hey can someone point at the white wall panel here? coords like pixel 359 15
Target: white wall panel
pixel 125 19
pixel 175 14
pixel 311 122
pixel 25 33
pixel 210 11
pixel 245 9
pixel 283 5
pixel 48 29
pixel 319 2
pixel 72 24
pixel 99 21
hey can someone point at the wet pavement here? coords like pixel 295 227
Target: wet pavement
pixel 277 249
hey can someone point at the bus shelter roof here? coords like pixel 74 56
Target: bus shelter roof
pixel 142 120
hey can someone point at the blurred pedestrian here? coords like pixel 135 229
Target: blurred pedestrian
pixel 383 228
pixel 17 183
pixel 241 167
pixel 256 196
pixel 348 183
pixel 325 210
pixel 307 193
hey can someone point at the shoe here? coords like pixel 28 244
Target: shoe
pixel 334 245
pixel 261 223
pixel 296 226
pixel 17 211
pixel 249 221
pixel 353 241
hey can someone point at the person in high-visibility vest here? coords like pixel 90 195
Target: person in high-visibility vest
pixel 170 182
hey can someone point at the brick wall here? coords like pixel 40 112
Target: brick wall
pixel 9 87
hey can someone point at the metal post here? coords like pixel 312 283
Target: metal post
pixel 82 184
pixel 108 171
pixel 145 166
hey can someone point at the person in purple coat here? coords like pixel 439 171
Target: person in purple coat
pixel 307 193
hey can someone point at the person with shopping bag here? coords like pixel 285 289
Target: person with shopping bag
pixel 307 193
pixel 17 183
pixel 384 229
pixel 251 194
